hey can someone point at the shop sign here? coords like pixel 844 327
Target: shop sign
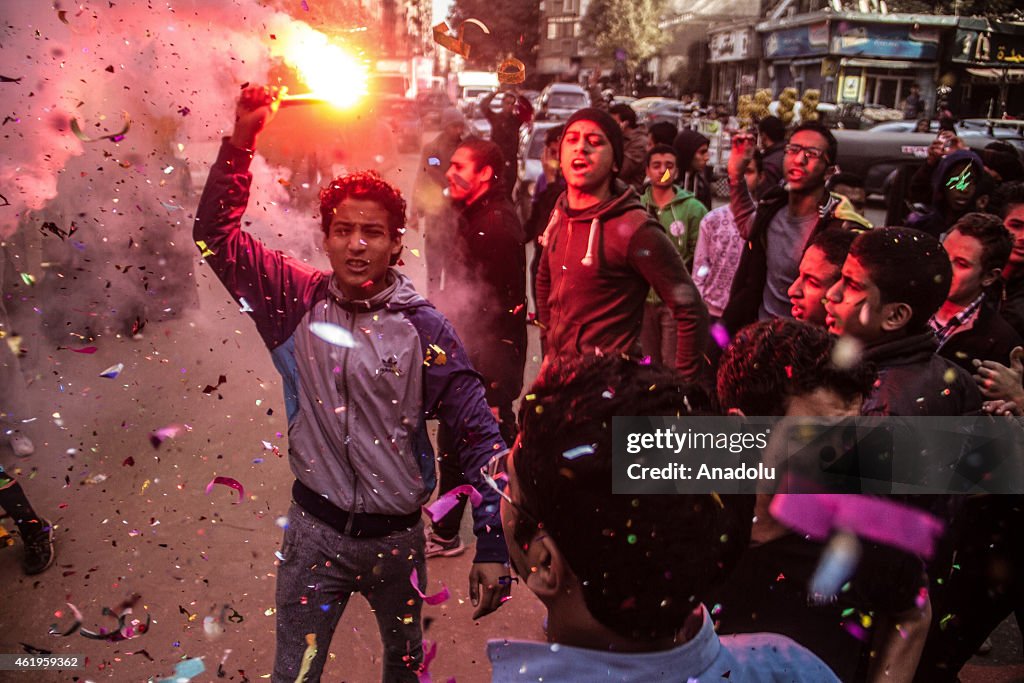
pixel 730 45
pixel 800 41
pixel 856 39
pixel 988 48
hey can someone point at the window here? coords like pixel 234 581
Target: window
pixel 576 29
pixel 552 30
pixel 572 5
pixel 887 90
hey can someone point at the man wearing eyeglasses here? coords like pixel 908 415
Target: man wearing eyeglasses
pixel 778 228
pixel 623 577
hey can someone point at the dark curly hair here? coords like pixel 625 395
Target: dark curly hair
pixel 908 266
pixel 996 241
pixel 363 185
pixel 1006 196
pixel 770 362
pixel 643 561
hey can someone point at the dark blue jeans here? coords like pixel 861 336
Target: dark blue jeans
pixel 322 568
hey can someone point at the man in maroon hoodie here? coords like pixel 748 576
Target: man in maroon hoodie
pixel 603 253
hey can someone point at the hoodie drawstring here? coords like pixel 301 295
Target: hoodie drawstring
pixel 552 222
pixel 588 260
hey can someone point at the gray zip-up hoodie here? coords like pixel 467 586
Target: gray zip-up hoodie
pixel 356 416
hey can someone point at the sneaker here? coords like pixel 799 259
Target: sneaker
pixel 21 444
pixel 440 547
pixel 39 554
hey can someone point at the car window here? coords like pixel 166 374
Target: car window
pixel 536 144
pixel 567 100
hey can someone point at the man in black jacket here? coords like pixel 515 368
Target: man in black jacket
pixel 892 282
pixel 486 303
pixel 516 111
pixel 967 324
pixel 1008 204
pixel 780 225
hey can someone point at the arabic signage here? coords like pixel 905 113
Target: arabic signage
pixel 987 48
pixel 733 45
pixel 800 41
pixel 904 41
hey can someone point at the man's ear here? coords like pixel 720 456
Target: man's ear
pixel 896 316
pixel 990 277
pixel 549 571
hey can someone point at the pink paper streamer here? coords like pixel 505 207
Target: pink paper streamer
pixel 86 349
pixel 877 519
pixel 227 481
pixel 444 504
pixel 435 599
pixel 428 656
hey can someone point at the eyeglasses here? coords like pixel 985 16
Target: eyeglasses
pixel 495 475
pixel 812 153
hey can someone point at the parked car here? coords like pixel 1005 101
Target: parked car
pixel 403 117
pixel 644 103
pixel 430 104
pixel 558 101
pixel 530 168
pixel 876 156
pixel 999 129
pixel 670 110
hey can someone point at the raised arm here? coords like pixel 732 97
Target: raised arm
pixel 740 201
pixel 275 287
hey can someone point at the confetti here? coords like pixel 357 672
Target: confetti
pixel 455 43
pixel 206 251
pixel 960 182
pixel 246 308
pixel 720 334
pixel 54 631
pixel 578 452
pixel 836 566
pixel 666 176
pixel 158 436
pixel 227 481
pixel 185 671
pixel 435 599
pixel 511 71
pixel 883 521
pixel 113 371
pixel 435 355
pixel 84 349
pixel 114 137
pixel 208 389
pixel 446 502
pixel 307 657
pixel 333 334
pixel 28 279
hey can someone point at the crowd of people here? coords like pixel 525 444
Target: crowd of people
pixel 648 300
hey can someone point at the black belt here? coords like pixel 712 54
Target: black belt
pixel 364 524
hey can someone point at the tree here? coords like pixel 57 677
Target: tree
pixel 514 30
pixel 625 30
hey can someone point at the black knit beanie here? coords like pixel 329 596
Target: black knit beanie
pixel 607 124
pixel 687 143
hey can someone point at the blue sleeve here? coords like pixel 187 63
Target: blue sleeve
pixel 454 394
pixel 278 289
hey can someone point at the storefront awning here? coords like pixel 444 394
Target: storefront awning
pixel 1011 75
pixel 886 63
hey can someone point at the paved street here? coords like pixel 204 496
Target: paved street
pixel 133 520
